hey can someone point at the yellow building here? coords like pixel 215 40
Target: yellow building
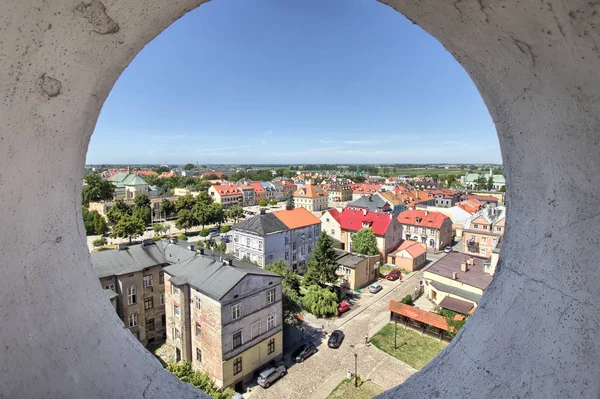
pixel 227 195
pixel 355 270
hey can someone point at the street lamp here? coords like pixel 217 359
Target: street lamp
pixel 355 370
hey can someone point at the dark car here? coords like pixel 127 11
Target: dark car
pixel 335 339
pixel 304 351
pixel 343 307
pixel 225 239
pixel 394 275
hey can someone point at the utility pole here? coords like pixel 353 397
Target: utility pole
pixel 355 370
pixel 395 334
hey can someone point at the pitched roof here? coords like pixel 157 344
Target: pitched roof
pixel 211 276
pixel 413 248
pixel 349 259
pixel 119 177
pixel 256 186
pixel 417 314
pixel 133 180
pixel 450 264
pixel 390 197
pixel 261 225
pixel 456 305
pixel 481 198
pixel 425 218
pixel 357 219
pixel 371 202
pixel 227 189
pixel 296 218
pixel 309 191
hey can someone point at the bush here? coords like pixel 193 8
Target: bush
pixel 262 202
pixel 199 244
pixel 156 238
pixel 203 233
pixel 99 242
pixel 225 228
pixel 320 301
pixel 272 202
pixel 408 300
pixel 183 237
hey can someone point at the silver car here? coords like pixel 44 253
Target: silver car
pixel 375 288
pixel 268 376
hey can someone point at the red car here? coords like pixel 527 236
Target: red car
pixel 394 275
pixel 343 307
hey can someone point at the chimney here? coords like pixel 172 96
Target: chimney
pixel 191 247
pixel 365 212
pixel 121 247
pixel 463 267
pixel 471 261
pixel 145 243
pixel 454 276
pixel 426 213
pixel 201 251
pixel 173 240
pixel 263 211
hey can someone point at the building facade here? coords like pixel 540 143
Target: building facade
pixel 311 197
pixel 483 231
pixel 431 228
pixel 409 256
pixel 226 195
pixel 355 270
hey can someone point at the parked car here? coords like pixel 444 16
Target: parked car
pixel 270 375
pixel 335 339
pixel 225 239
pixel 375 288
pixel 304 351
pixel 343 307
pixel 448 249
pixel 214 232
pixel 394 275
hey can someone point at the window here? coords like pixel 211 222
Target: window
pixel 174 290
pixel 287 255
pixel 499 228
pixel 484 240
pixel 348 271
pixel 197 302
pixel 150 325
pixel 294 246
pixel 432 231
pixel 176 310
pixel 161 278
pixel 423 230
pixel 109 287
pixel 236 311
pixel 271 345
pixel 271 321
pixel 198 329
pixel 198 355
pixel 302 250
pixel 332 231
pixel 162 298
pixel 237 339
pixel 131 295
pixel 176 334
pixel 148 303
pixel 237 366
pixel 270 296
pixel 287 241
pixel 133 320
pixel 260 245
pixel 485 227
pixel 476 226
pixel 473 238
pixel 309 249
pixel 327 220
pixel 147 281
pixel 235 238
pixel 294 257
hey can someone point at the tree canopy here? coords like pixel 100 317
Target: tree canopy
pixel 118 210
pixel 321 264
pixel 128 227
pixel 184 371
pixel 290 200
pixel 97 189
pixel 189 166
pixel 290 288
pixel 364 242
pixel 320 301
pixel 93 222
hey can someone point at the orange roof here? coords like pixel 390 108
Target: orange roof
pixel 391 197
pixel 257 187
pixel 425 219
pixel 413 248
pixel 296 218
pixel 225 190
pixel 309 191
pixel 417 314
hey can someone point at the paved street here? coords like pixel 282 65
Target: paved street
pixel 318 375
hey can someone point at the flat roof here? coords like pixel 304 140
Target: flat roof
pixel 456 305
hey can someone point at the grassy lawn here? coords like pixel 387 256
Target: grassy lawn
pixel 414 349
pixel 346 390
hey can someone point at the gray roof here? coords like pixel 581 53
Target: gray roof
pixel 348 259
pixel 137 257
pixel 261 225
pixel 371 202
pixel 471 296
pixel 211 276
pixel 451 263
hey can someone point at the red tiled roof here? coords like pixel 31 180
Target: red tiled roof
pixel 412 247
pixel 225 190
pixel 257 187
pixel 296 218
pixel 367 188
pixel 310 191
pixel 481 197
pixel 357 219
pixel 218 174
pixel 426 219
pixel 417 314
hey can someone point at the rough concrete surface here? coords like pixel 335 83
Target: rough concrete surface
pixel 536 64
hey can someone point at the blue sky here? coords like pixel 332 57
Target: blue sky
pixel 313 81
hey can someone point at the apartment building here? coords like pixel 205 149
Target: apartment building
pixel 355 270
pixel 483 230
pixel 340 193
pixel 311 197
pixel 259 192
pixel 396 203
pixel 224 316
pixel 247 193
pixel 226 195
pixel 133 279
pixel 288 188
pixel 431 228
pixel 289 235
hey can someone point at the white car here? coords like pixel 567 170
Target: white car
pixel 448 249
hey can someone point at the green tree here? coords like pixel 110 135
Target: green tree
pixel 481 182
pixel 186 202
pixel 184 371
pixel 503 189
pixel 272 202
pixel 161 169
pixel 167 207
pixel 141 209
pixel 216 213
pixel 128 227
pixel 212 176
pixel 321 264
pixel 99 242
pixel 225 228
pixel 364 242
pixel 100 226
pixel 236 212
pixel 158 228
pixel 189 166
pixel 186 220
pixel 290 288
pixel 490 183
pixel 319 301
pixel 204 199
pixel 97 189
pixel 262 202
pixel 118 210
pixel 289 202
